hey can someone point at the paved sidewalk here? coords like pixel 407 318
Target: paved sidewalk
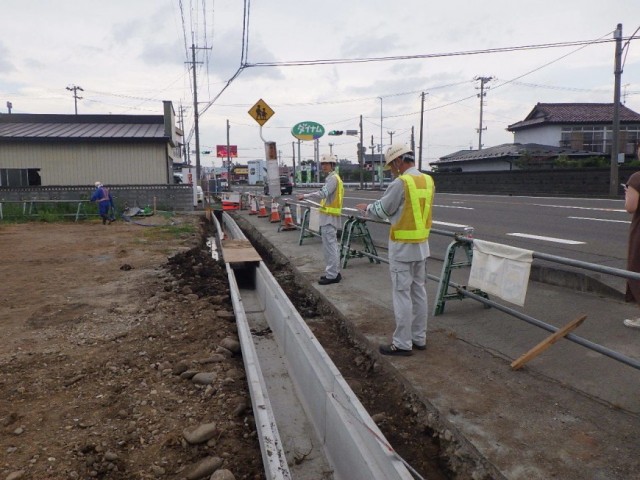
pixel 570 413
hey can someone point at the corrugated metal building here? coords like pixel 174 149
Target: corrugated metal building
pixel 44 149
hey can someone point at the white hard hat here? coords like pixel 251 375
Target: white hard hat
pixel 393 152
pixel 328 158
pixel 98 184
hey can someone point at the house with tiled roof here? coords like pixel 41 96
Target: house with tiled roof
pixel 580 126
pixel 508 156
pixel 552 130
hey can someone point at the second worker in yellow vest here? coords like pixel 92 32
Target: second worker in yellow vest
pixel 407 205
pixel 331 195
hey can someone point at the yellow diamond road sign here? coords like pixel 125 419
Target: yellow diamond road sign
pixel 261 112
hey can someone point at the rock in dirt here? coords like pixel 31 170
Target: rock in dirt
pixel 204 378
pixel 204 467
pixel 230 344
pixel 222 474
pixel 16 475
pixel 201 434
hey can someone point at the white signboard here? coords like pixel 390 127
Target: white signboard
pixel 314 220
pixel 501 270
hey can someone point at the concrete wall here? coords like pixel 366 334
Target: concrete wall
pixel 166 197
pixel 592 182
pixel 545 135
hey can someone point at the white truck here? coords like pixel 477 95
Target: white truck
pixel 257 172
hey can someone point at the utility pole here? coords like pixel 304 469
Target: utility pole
pixel 361 150
pixel 228 159
pixel 421 130
pixel 413 141
pixel 380 170
pixel 390 136
pixel 331 149
pixel 300 160
pixel 74 89
pixel 615 128
pixel 373 164
pixel 195 112
pixel 316 158
pixel 293 162
pixel 481 95
pixel 196 115
pixel 185 150
pixel 9 107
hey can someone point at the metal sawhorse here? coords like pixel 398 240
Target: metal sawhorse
pixel 305 232
pixel 449 264
pixel 356 228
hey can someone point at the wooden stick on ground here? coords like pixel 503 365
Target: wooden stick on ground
pixel 547 342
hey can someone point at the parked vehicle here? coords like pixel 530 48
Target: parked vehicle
pixel 286 186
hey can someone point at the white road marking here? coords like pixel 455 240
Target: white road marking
pixel 547 239
pixel 454 206
pixel 581 208
pixel 600 219
pixel 450 224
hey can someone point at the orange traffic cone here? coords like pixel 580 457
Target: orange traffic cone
pixel 288 219
pixel 253 205
pixel 275 214
pixel 263 210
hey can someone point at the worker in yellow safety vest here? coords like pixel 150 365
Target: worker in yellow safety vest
pixel 331 195
pixel 407 205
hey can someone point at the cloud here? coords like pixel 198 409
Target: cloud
pixel 6 66
pixel 369 45
pixel 162 53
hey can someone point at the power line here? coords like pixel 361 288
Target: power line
pixel 296 63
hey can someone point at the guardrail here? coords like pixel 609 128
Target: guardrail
pixel 460 239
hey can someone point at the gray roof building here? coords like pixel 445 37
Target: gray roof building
pixel 574 113
pixel 549 131
pixel 51 149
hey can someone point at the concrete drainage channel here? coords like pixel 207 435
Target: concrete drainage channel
pixel 310 423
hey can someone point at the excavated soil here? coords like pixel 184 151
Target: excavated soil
pixel 106 330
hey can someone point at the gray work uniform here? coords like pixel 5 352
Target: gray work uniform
pixel 329 226
pixel 408 268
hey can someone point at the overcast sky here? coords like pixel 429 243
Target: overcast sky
pixel 128 56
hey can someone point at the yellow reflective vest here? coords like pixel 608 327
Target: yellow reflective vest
pixel 335 207
pixel 414 224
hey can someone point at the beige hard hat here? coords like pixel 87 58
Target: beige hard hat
pixel 98 184
pixel 393 152
pixel 328 158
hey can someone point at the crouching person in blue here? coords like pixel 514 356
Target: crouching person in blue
pixel 106 208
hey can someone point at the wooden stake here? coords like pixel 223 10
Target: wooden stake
pixel 547 342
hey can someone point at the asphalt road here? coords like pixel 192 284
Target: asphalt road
pixel 591 230
pixel 585 229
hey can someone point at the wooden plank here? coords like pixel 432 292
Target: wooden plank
pixel 547 342
pixel 239 251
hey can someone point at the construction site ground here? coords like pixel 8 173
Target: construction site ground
pixel 100 325
pixel 103 329
pixel 570 413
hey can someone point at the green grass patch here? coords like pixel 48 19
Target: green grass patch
pixel 168 232
pixel 41 211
